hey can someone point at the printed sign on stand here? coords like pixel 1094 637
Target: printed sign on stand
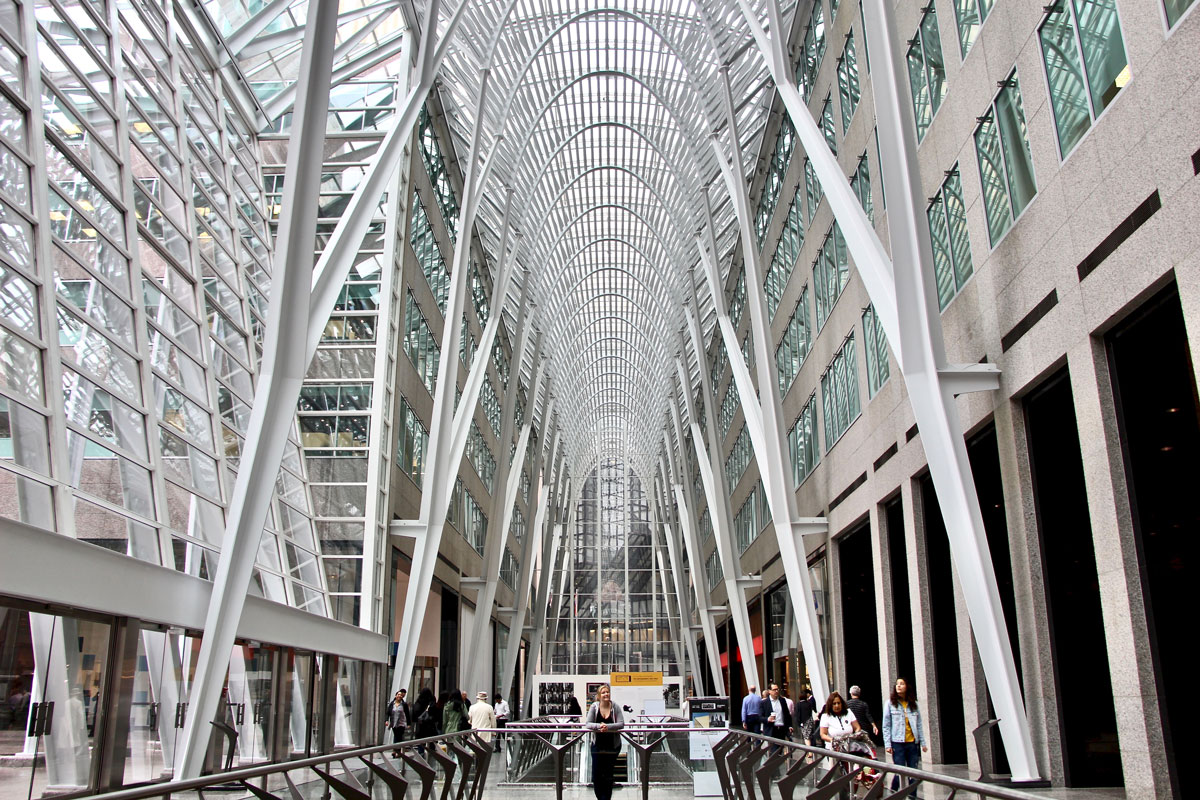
pixel 710 714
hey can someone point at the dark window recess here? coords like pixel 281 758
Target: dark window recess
pixel 1029 320
pixel 944 628
pixel 1122 232
pixel 448 651
pixel 911 434
pixel 984 455
pixel 1196 163
pixel 1083 687
pixel 883 458
pixel 1160 437
pixel 906 664
pixel 860 625
pixel 849 490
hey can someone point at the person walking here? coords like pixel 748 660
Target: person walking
pixel 482 715
pixel 502 712
pixel 778 722
pixel 397 716
pixel 425 720
pixel 804 716
pixel 862 711
pixel 902 734
pixel 604 720
pixel 751 706
pixel 837 721
pixel 454 713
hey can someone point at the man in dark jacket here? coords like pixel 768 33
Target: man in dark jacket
pixel 777 717
pixel 861 711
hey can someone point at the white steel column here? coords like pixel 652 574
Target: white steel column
pixel 691 542
pixel 916 340
pixel 504 499
pixel 932 384
pixel 683 602
pixel 448 433
pixel 764 415
pixel 712 469
pixel 548 545
pixel 674 616
pixel 283 365
pixel 501 507
pixel 533 541
pixel 338 256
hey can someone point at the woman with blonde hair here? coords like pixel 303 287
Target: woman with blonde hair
pixel 604 720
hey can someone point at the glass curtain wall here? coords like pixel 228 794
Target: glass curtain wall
pixel 612 611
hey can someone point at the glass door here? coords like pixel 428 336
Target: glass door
pixel 53 672
pixel 158 706
pixel 250 685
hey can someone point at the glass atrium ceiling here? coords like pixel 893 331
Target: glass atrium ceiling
pixel 601 118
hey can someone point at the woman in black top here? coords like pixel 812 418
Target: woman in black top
pixel 604 720
pixel 426 716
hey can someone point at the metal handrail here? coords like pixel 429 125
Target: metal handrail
pixel 746 762
pixel 167 788
pixel 998 792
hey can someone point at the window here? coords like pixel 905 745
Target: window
pixel 467 516
pixel 411 443
pixel 787 250
pixel 1085 64
pixel 439 175
pixel 1175 9
pixel 802 442
pixel 750 518
pixel 812 189
pixel 419 343
pixel 729 408
pixel 429 255
pixel 480 456
pixel 1005 163
pixel 776 169
pixel 860 183
pixel 926 71
pixel 848 89
pixel 509 568
pixel 706 528
pixel 876 351
pixel 720 362
pixel 466 343
pixel 737 301
pixel 826 122
pixel 951 246
pixel 839 393
pixel 712 570
pixel 970 14
pixel 517 524
pixel 738 460
pixel 479 293
pixel 491 405
pixel 830 273
pixel 814 51
pixel 793 348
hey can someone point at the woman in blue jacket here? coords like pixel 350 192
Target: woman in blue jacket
pixel 902 734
